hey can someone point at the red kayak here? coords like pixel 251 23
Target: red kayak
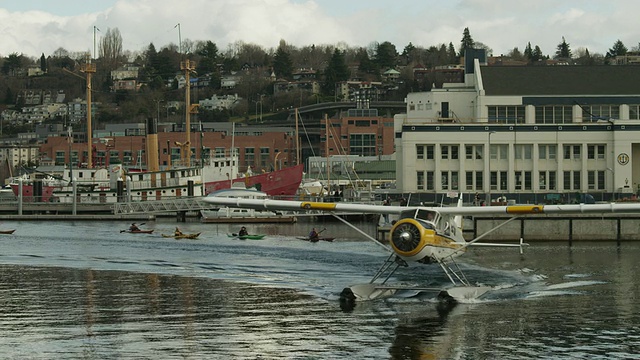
pixel 137 231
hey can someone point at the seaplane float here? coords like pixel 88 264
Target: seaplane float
pixel 425 235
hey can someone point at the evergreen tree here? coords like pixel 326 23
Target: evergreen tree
pixel 365 66
pixel 208 58
pixel 335 72
pixel 43 63
pixel 466 42
pixel 407 53
pixel 282 64
pixel 537 54
pixel 386 56
pixel 452 58
pixel 617 49
pixel 563 50
pixel 528 52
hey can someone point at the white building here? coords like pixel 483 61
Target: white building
pixel 530 133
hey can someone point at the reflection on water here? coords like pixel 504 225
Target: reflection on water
pixel 78 291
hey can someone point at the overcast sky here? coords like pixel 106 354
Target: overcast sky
pixel 33 27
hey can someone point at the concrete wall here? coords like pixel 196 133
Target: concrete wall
pixel 557 228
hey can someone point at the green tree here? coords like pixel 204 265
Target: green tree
pixel 282 64
pixel 335 72
pixel 408 53
pixel 43 63
pixel 466 42
pixel 537 55
pixel 12 64
pixel 208 52
pixel 617 49
pixel 563 50
pixel 528 52
pixel 452 58
pixel 386 56
pixel 366 66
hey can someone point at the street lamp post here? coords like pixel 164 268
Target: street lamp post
pixel 489 163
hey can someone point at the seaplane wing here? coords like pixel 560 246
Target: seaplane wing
pixel 424 235
pixel 290 205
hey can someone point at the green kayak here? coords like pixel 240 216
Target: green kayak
pixel 247 237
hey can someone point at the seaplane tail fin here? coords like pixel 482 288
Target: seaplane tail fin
pixel 458 218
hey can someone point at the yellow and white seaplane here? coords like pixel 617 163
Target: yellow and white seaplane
pixel 426 235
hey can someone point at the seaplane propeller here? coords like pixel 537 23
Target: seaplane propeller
pixel 405 236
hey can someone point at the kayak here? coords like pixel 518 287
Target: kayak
pixel 137 231
pixel 306 238
pixel 183 236
pixel 7 231
pixel 246 237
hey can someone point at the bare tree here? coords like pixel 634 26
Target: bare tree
pixel 111 49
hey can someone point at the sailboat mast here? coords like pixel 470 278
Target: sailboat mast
pixel 297 140
pixel 326 151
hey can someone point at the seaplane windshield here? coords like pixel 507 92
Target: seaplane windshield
pixel 427 215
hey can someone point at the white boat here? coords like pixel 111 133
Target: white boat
pixel 237 215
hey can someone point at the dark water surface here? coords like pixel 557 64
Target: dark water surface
pixel 85 291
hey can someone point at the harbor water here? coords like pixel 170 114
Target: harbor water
pixel 85 290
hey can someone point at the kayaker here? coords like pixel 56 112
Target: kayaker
pixel 243 231
pixel 313 235
pixel 177 232
pixel 134 227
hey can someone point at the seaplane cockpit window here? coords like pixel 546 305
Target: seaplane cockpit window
pixel 408 214
pixel 427 215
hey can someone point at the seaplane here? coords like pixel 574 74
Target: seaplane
pixel 424 235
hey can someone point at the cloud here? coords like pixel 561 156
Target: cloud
pixel 499 24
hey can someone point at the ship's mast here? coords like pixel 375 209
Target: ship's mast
pixel 188 66
pixel 89 68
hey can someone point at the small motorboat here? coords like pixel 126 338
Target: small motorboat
pixel 7 231
pixel 182 236
pixel 247 237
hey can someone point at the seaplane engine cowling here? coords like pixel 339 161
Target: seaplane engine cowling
pixel 410 239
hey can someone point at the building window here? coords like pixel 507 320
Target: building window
pixel 571 180
pixel 249 156
pixel 420 152
pixel 523 151
pixel 595 152
pixel 634 112
pixel 600 179
pixel 60 157
pixel 474 152
pixel 429 184
pixel 449 152
pixel 506 114
pixel 498 152
pixel 549 114
pixel 523 180
pixel 362 144
pixel 600 112
pixel 420 180
pixel 473 180
pixel 444 178
pixel 571 151
pixel 430 152
pixel 264 156
pixel 547 152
